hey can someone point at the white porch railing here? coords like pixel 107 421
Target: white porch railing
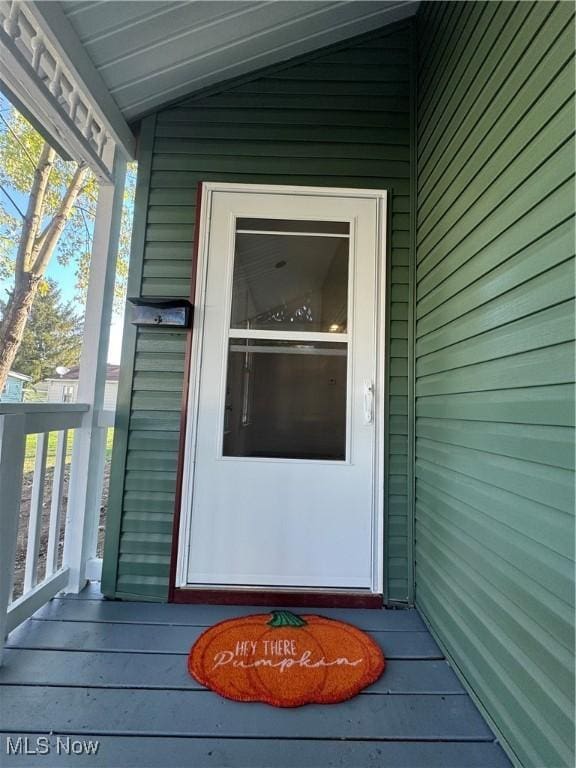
pixel 17 421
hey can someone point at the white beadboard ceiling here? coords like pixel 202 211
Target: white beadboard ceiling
pixel 151 53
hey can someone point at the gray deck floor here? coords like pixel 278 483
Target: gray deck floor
pixel 85 668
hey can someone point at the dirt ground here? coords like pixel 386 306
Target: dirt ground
pixel 25 517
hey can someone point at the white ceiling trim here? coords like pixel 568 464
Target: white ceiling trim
pixel 225 18
pixel 166 8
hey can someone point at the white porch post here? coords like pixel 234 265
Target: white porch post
pixel 12 446
pixel 85 488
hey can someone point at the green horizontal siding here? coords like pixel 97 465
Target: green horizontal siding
pixel 340 118
pixel 494 360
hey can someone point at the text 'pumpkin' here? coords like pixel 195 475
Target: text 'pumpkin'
pixel 285 660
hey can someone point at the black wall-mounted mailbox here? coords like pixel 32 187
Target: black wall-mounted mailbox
pixel 163 313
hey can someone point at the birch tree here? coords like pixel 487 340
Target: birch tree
pixel 53 335
pixel 47 208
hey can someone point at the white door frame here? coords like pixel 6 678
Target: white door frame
pixel 207 191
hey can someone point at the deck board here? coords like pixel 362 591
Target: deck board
pixel 201 713
pixel 115 672
pixel 127 670
pixel 61 609
pixel 153 752
pixel 156 638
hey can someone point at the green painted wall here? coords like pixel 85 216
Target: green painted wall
pixel 494 360
pixel 342 117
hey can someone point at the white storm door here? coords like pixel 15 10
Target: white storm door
pixel 281 470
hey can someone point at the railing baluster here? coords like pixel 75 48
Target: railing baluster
pixel 56 506
pixel 12 445
pixel 36 506
pixel 17 420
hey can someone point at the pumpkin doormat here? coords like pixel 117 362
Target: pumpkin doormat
pixel 285 660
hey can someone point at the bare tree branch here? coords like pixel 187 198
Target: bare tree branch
pixel 85 210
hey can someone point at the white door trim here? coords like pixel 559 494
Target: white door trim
pixel 208 190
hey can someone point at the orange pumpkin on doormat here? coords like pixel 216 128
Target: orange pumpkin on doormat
pixel 285 660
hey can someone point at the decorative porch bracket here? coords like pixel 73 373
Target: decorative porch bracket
pixel 49 75
pixel 87 467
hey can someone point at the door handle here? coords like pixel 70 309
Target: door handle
pixel 368 402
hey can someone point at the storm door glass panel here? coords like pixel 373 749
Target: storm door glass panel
pixel 286 385
pixel 286 400
pixel 291 275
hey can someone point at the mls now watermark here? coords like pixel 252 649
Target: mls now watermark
pixel 49 745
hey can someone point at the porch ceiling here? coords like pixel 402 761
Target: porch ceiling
pixel 150 53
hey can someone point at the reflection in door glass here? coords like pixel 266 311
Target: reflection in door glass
pixel 285 400
pixel 293 225
pixel 290 281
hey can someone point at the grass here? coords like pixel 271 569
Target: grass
pixel 32 441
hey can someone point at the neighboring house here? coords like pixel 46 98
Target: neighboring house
pixel 13 390
pixel 63 389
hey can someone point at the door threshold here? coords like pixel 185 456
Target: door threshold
pixel 273 597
